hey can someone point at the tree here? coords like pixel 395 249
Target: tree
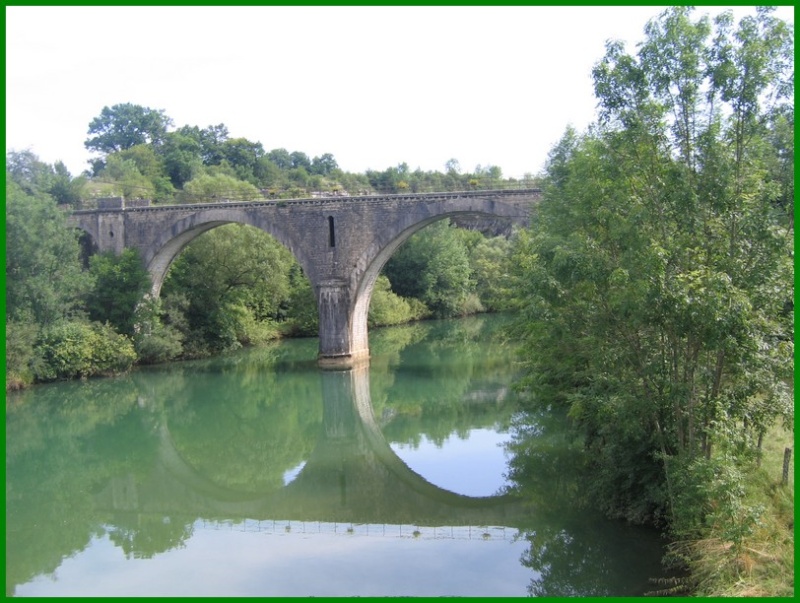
pixel 243 156
pixel 281 158
pixel 433 266
pixel 24 168
pixel 653 282
pixel 121 177
pixel 324 165
pixel 213 188
pixel 490 261
pixel 44 279
pixel 122 126
pixel 120 283
pixel 300 160
pixel 36 177
pixel 234 278
pixel 65 189
pixel 182 157
pixel 210 140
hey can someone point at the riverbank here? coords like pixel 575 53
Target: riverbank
pixel 761 564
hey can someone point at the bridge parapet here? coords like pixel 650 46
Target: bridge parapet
pixel 144 205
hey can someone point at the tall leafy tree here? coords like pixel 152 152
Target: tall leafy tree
pixel 655 279
pixel 37 177
pixel 125 125
pixel 182 157
pixel 44 279
pixel 324 165
pixel 243 155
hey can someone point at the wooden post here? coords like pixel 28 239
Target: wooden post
pixel 787 456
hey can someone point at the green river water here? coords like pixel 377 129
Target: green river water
pixel 258 474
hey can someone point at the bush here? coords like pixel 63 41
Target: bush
pixel 20 354
pixel 81 349
pixel 250 330
pixel 158 346
pixel 153 340
pixel 388 308
pixel 302 316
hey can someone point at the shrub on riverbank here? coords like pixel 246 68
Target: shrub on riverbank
pixel 72 349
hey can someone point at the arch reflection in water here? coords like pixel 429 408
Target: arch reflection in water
pixel 352 475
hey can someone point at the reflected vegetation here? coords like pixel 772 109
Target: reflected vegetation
pixel 573 549
pixel 140 460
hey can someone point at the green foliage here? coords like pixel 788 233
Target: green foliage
pixel 157 334
pixel 236 281
pixel 36 177
pixel 181 155
pixel 125 125
pixel 387 308
pixel 302 315
pixel 44 280
pixel 219 187
pixel 120 282
pixel 433 266
pixel 653 284
pixel 153 167
pixel 490 260
pixel 120 177
pixel 72 349
pixel 20 353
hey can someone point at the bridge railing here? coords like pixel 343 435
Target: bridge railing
pixel 144 205
pixel 285 526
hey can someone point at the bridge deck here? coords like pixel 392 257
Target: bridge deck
pixel 321 201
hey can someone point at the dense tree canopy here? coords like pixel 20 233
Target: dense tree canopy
pixel 656 282
pixel 44 280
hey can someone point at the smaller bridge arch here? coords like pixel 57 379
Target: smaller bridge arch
pixel 169 244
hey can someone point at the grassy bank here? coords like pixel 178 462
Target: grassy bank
pixel 762 565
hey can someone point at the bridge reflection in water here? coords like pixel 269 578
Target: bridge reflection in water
pixel 198 456
pixel 287 526
pixel 352 481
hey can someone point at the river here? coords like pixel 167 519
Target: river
pixel 258 474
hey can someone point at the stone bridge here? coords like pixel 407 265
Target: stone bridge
pixel 341 243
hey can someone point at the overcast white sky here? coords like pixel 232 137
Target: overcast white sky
pixel 374 86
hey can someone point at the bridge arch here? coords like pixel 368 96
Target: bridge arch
pixel 171 242
pixel 383 248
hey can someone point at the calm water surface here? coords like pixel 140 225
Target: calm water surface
pixel 257 474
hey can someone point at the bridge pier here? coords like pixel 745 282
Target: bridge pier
pixel 337 348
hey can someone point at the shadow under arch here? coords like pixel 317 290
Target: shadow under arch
pixel 352 475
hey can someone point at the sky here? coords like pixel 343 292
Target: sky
pixel 373 86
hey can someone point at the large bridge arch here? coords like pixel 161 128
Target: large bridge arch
pixel 374 258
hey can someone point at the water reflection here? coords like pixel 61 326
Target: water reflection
pixel 158 464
